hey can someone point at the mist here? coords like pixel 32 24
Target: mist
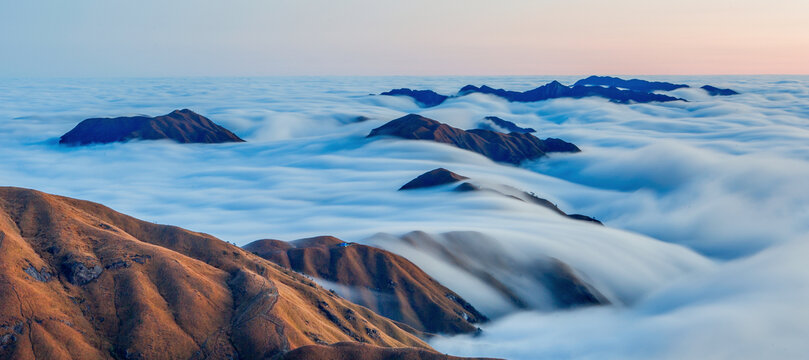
pixel 705 199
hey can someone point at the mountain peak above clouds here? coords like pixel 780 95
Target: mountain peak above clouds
pixel 511 148
pixel 183 126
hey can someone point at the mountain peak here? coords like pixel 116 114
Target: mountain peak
pixel 511 148
pixel 433 178
pixel 183 126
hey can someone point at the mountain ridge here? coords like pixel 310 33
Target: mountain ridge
pixel 111 286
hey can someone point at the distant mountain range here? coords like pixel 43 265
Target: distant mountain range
pixel 612 88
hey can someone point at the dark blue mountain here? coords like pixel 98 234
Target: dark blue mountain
pixel 715 91
pixel 183 126
pixel 424 98
pixel 632 84
pixel 551 90
pixel 555 90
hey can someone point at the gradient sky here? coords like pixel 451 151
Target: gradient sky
pixel 414 37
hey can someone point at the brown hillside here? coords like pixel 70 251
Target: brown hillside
pixel 79 280
pixel 380 280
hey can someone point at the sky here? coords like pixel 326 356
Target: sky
pixel 101 38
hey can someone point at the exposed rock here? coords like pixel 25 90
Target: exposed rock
pixel 511 148
pixel 715 91
pixel 424 98
pixel 373 333
pixel 141 259
pixel 632 84
pixel 80 274
pixel 118 264
pixel 183 126
pixel 432 178
pixel 6 340
pixel 494 123
pixel 42 275
pixel 380 280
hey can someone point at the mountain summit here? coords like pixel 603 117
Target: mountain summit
pixel 511 148
pixel 183 126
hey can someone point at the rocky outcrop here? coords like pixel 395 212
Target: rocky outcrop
pixel 79 274
pixel 511 148
pixel 715 91
pixel 39 275
pixel 132 289
pixel 183 126
pixel 632 84
pixel 424 98
pixel 382 281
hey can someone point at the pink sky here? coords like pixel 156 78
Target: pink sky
pixel 416 37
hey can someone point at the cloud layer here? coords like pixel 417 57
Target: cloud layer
pixel 721 180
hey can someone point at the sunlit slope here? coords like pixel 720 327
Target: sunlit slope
pixel 80 278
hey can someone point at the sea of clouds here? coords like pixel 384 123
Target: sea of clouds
pixel 706 203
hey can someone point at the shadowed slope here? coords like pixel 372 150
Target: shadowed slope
pixel 183 126
pixel 380 280
pixel 80 278
pixel 538 282
pixel 443 176
pixel 512 148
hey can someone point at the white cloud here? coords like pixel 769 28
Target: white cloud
pixel 724 176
